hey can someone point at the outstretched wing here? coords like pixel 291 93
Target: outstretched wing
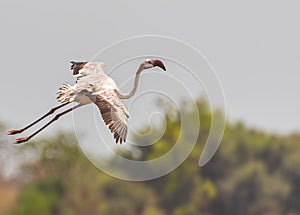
pixel 87 68
pixel 114 114
pixel 93 82
pixel 90 77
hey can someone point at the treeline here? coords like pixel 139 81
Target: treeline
pixel 252 173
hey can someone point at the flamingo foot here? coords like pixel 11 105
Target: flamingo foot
pixel 12 132
pixel 21 140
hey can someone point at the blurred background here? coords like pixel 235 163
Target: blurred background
pixel 254 48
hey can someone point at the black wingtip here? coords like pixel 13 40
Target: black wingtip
pixel 76 66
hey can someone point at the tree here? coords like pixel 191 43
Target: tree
pixel 253 172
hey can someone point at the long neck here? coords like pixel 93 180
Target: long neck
pixel 136 81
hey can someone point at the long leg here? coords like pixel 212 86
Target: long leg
pixel 24 139
pixel 12 132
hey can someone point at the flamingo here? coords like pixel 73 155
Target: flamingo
pixel 94 86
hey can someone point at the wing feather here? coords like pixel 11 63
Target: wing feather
pixel 114 114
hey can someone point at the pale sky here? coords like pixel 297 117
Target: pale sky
pixel 254 47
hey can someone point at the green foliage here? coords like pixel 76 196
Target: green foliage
pixel 1 126
pixel 39 198
pixel 253 172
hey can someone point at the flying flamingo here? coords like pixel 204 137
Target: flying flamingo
pixel 94 86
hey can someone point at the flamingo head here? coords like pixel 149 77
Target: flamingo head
pixel 150 63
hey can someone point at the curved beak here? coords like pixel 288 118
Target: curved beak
pixel 158 63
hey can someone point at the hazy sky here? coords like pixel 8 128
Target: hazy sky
pixel 254 47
